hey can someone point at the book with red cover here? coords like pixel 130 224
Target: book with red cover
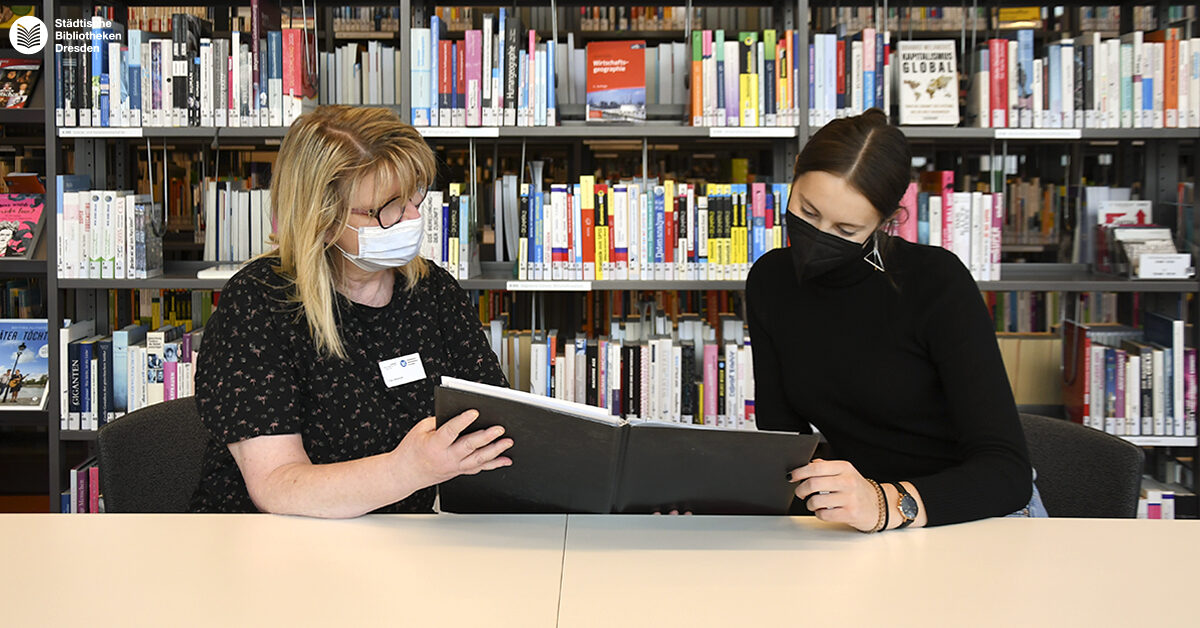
pixel 616 81
pixel 445 93
pixel 998 56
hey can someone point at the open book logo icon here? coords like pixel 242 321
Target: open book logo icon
pixel 28 35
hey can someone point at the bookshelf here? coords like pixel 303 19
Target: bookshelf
pixel 23 418
pixel 97 150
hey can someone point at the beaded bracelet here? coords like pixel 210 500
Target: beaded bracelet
pixel 882 520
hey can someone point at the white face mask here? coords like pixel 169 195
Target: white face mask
pixel 382 249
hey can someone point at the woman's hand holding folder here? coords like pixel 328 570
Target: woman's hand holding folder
pixel 434 455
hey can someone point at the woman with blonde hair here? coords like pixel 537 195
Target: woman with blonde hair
pixel 317 372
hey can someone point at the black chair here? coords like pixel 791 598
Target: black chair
pixel 1083 472
pixel 150 459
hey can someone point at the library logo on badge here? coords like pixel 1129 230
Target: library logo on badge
pixel 28 35
pixel 402 370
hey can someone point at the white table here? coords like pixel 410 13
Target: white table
pixel 261 570
pixel 713 571
pixel 578 571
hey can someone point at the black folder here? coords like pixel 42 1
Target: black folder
pixel 572 458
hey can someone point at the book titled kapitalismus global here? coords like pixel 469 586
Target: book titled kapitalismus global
pixel 928 82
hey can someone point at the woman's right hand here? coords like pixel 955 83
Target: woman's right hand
pixel 431 455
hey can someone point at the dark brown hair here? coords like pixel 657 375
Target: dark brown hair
pixel 869 153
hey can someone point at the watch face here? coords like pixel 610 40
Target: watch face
pixel 908 507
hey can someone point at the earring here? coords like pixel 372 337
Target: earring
pixel 874 258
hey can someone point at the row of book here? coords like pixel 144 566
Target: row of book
pixel 980 18
pixel 354 75
pixel 1143 79
pixel 822 18
pixel 1128 381
pixel 607 18
pixel 83 496
pixel 666 75
pixel 633 229
pixel 498 75
pixel 643 369
pixel 1043 312
pixel 590 312
pixel 366 19
pixel 492 78
pixel 237 222
pixel 1025 312
pixel 158 19
pixel 105 376
pixel 901 18
pixel 970 224
pixel 154 308
pixel 136 79
pixel 22 297
pixel 106 234
pixel 1156 500
pixel 637 18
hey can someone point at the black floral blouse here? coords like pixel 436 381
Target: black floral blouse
pixel 259 373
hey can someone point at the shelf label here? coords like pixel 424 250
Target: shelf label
pixel 751 131
pixel 548 286
pixel 99 132
pixel 1165 266
pixel 459 131
pixel 1162 441
pixel 1039 134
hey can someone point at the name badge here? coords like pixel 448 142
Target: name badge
pixel 402 370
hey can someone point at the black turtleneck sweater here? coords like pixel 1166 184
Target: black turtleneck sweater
pixel 903 377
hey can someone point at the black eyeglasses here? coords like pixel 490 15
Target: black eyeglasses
pixel 390 213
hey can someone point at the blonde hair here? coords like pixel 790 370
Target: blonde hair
pixel 322 160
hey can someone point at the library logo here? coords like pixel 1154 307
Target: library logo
pixel 28 35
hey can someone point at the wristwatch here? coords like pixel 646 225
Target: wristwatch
pixel 907 506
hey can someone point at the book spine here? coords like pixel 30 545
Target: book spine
pixel 1189 392
pixel 1147 386
pixel 104 382
pixel 474 77
pixel 512 43
pixel 155 342
pixel 1110 391
pixel 87 387
pixel 710 384
pixel 81 484
pixel 1133 394
pixel 275 93
pixel 421 80
pixel 93 481
pixel 171 371
pixel 1158 393
pixel 74 385
pixel 435 71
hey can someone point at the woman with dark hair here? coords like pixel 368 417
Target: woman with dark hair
pixel 883 345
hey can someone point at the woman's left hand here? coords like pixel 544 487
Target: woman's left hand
pixel 835 491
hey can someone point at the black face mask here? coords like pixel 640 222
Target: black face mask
pixel 815 252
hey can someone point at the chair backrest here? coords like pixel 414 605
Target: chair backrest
pixel 150 459
pixel 1083 472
